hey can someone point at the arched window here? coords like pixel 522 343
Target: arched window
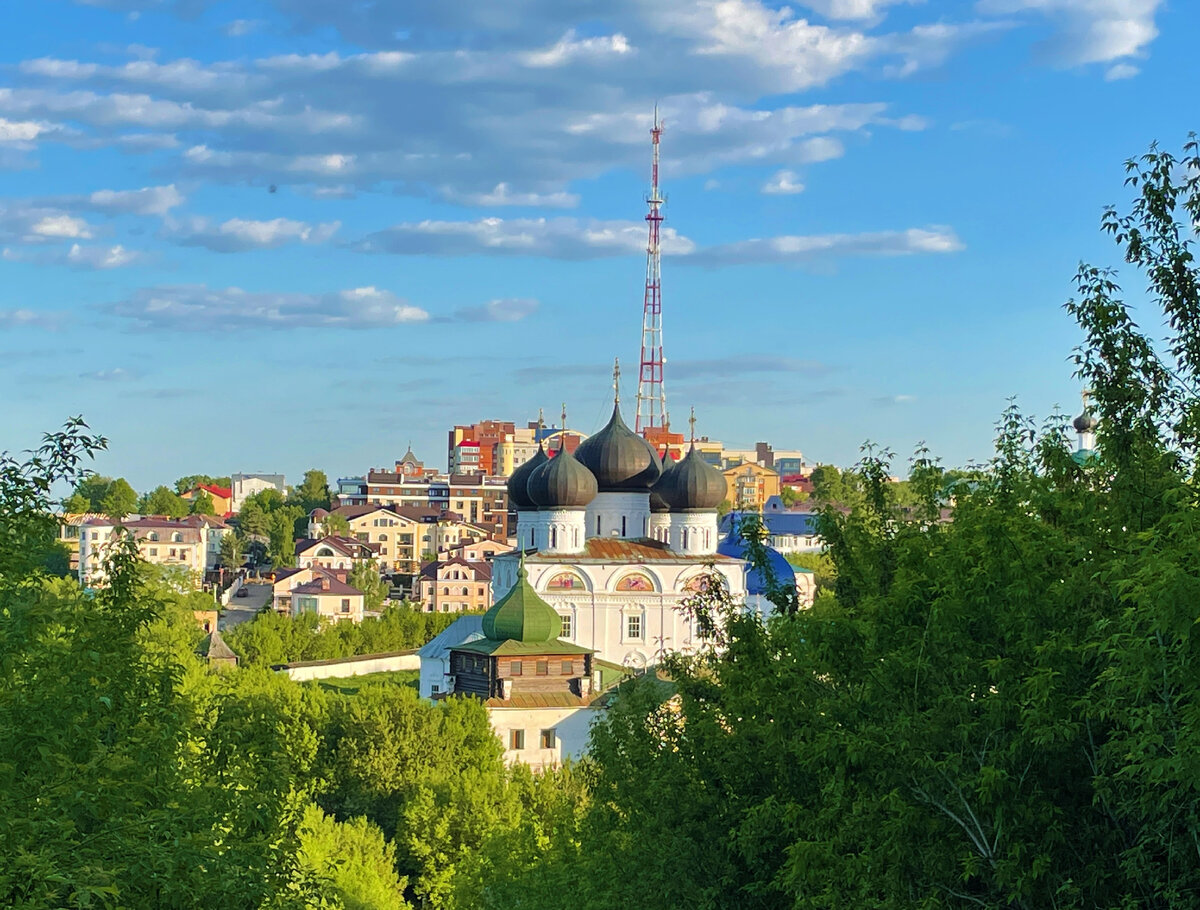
pixel 685 538
pixel 553 538
pixel 622 525
pixel 466 591
pixel 177 537
pixel 324 551
pixel 383 537
pixel 153 535
pixel 597 525
pixel 445 592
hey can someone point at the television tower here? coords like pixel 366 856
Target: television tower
pixel 651 393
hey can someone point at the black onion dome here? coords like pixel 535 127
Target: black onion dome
pixel 1086 422
pixel 620 460
pixel 517 494
pixel 694 485
pixel 561 483
pixel 658 505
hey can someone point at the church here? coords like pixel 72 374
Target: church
pixel 615 540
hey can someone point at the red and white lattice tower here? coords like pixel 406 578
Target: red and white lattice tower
pixel 651 394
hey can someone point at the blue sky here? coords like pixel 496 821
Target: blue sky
pixel 875 209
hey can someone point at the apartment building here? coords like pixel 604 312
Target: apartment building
pixel 454 585
pixel 192 544
pixel 402 537
pixel 477 499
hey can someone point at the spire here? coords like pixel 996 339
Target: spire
pixel 616 380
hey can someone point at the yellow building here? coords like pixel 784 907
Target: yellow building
pixel 750 485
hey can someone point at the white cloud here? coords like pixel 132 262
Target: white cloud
pixel 239 234
pixel 502 195
pixel 116 374
pixel 783 183
pixel 509 309
pixel 241 27
pixel 197 307
pixel 1120 71
pixel 570 48
pixel 1089 31
pixel 555 238
pixel 26 318
pixel 149 200
pixel 799 250
pixel 78 256
pixel 852 9
pixel 61 226
pixel 22 131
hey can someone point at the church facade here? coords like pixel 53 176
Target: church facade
pixel 615 541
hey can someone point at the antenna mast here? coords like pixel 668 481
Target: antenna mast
pixel 651 393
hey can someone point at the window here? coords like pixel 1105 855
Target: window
pixel 568 667
pixel 633 625
pixel 622 525
pixel 345 604
pixel 514 668
pixel 383 537
pixel 154 551
pixel 435 689
pixel 174 552
pixel 153 535
pixel 445 592
pixel 548 739
pixel 543 668
pixel 567 625
pixel 516 739
pixel 597 525
pixel 177 537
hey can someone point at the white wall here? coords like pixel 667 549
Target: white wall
pixel 571 727
pixel 356 667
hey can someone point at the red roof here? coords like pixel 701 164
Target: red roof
pixel 223 492
pixel 325 585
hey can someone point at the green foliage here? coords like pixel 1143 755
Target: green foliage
pixel 365 576
pixel 820 564
pixel 791 496
pixel 161 501
pixel 202 504
pixel 281 530
pixel 274 639
pixel 335 525
pixel 231 551
pixel 312 493
pixel 355 857
pixel 115 788
pixel 191 481
pixel 119 499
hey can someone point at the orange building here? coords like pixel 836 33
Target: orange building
pixel 750 486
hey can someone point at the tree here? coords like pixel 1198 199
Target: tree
pixel 191 481
pixel 119 499
pixel 91 488
pixel 313 492
pixel 76 504
pixel 365 577
pixel 127 803
pixel 791 496
pixel 161 501
pixel 231 551
pixel 335 524
pixel 355 857
pixel 281 529
pixel 202 504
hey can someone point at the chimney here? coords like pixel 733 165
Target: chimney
pixel 324 583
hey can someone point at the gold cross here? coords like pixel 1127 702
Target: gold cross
pixel 692 426
pixel 616 380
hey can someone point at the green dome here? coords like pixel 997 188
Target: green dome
pixel 520 615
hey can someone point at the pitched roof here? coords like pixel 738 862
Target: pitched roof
pixel 528 700
pixel 786 522
pixel 347 546
pixel 223 492
pixel 483 570
pixel 214 648
pixel 463 630
pixel 514 648
pixel 325 585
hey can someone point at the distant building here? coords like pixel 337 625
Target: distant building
pixel 455 585
pixel 475 550
pixel 216 653
pixel 330 598
pixel 222 497
pixel 351 491
pixel 333 552
pixel 402 537
pixel 788 530
pixel 246 485
pixel 477 499
pixel 750 485
pixel 192 544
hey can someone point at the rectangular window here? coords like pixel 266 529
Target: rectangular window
pixel 633 625
pixel 514 668
pixel 548 739
pixel 154 551
pixel 568 667
pixel 568 630
pixel 435 689
pixel 345 604
pixel 623 525
pixel 543 668
pixel 516 739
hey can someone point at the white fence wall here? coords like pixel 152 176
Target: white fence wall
pixel 352 666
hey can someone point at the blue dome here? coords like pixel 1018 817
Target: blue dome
pixel 733 545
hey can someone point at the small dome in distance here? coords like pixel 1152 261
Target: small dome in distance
pixel 1086 422
pixel 658 505
pixel 695 485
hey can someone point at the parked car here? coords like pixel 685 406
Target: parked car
pixel 242 592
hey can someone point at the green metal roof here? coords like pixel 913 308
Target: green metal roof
pixel 520 615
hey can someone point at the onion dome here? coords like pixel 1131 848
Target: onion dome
pixel 734 545
pixel 1086 422
pixel 561 483
pixel 520 615
pixel 517 494
pixel 695 485
pixel 620 460
pixel 658 505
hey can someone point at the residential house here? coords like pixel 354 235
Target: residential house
pixel 222 497
pixel 455 585
pixel 788 530
pixel 328 597
pixel 475 550
pixel 333 552
pixel 246 485
pixel 750 485
pixel 192 544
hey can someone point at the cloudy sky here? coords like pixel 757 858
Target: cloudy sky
pixel 270 234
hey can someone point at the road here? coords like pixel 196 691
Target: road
pixel 241 609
